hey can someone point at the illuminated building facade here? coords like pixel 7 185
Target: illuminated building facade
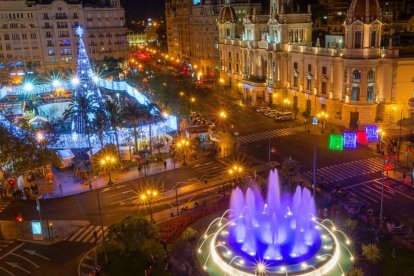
pixel 40 34
pixel 272 57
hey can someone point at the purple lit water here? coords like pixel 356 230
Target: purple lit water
pixel 278 229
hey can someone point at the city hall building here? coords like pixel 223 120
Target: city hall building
pixel 359 79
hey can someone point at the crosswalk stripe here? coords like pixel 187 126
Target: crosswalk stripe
pixel 71 238
pixel 90 237
pixel 267 134
pixel 85 233
pixel 339 172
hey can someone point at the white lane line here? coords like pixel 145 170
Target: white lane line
pixel 11 251
pixel 24 258
pixel 121 193
pixel 368 189
pixel 2 268
pixel 112 188
pixel 397 191
pixel 361 183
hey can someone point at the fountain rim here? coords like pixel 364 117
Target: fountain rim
pixel 320 270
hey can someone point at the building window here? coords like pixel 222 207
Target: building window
pixel 355 93
pixel 309 67
pixel 295 79
pixel 356 76
pixel 373 39
pixel 295 65
pixel 51 52
pixel 324 87
pixel 370 93
pixel 228 33
pixel 358 40
pixel 324 70
pixel 371 76
pixel 308 83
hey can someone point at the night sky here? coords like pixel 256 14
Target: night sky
pixel 141 9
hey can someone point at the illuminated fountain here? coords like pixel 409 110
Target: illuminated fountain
pixel 278 235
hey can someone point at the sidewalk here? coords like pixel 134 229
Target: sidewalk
pixel 67 184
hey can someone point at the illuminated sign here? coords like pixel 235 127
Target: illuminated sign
pixel 336 142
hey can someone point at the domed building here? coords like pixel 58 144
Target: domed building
pixel 359 79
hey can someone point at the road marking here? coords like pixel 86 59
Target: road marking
pixel 2 268
pixel 358 184
pixel 24 258
pixel 121 193
pixel 11 251
pixel 76 234
pixel 33 253
pixel 112 188
pixel 15 265
pixel 407 196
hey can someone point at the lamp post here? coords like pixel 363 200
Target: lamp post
pixel 287 103
pixel 222 84
pixel 107 162
pixel 183 144
pixel 234 171
pixel 323 116
pixel 149 196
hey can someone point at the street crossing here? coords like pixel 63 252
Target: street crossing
pixel 268 134
pixel 3 205
pixel 85 234
pixel 343 171
pixel 210 169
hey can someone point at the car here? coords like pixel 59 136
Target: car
pixel 274 115
pixel 284 117
pixel 270 112
pixel 262 109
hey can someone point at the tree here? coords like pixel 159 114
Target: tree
pixel 289 168
pixel 81 110
pixel 132 233
pixel 356 271
pixel 100 124
pixel 114 113
pixel 371 252
pixel 134 114
pixel 154 116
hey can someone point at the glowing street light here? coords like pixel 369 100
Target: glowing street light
pixel 28 87
pixel 181 93
pixel 75 81
pixel 183 145
pixel 108 162
pixel 193 99
pixel 56 83
pixel 324 117
pixel 149 196
pixel 223 114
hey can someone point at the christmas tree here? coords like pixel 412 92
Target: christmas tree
pixel 86 90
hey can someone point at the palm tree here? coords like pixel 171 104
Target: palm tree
pixel 289 168
pixel 114 113
pixel 79 110
pixel 134 114
pixel 100 124
pixel 372 253
pixel 154 116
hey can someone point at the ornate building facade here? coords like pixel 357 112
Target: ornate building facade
pixel 272 58
pixel 40 34
pixel 192 31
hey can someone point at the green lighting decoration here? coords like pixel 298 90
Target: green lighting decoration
pixel 336 142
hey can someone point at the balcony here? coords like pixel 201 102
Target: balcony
pixel 48 27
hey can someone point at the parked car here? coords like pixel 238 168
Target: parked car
pixel 270 112
pixel 274 114
pixel 262 109
pixel 284 118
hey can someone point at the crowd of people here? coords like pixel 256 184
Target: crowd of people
pixel 22 187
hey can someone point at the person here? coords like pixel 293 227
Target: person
pixel 165 164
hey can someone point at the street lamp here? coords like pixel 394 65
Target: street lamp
pixel 323 116
pixel 149 196
pixel 287 103
pixel 107 162
pixel 223 114
pixel 183 145
pixel 381 134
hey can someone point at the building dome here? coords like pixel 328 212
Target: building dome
pixel 364 10
pixel 227 14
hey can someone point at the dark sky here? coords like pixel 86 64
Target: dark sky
pixel 141 9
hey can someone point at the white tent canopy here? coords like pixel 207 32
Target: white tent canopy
pixel 38 119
